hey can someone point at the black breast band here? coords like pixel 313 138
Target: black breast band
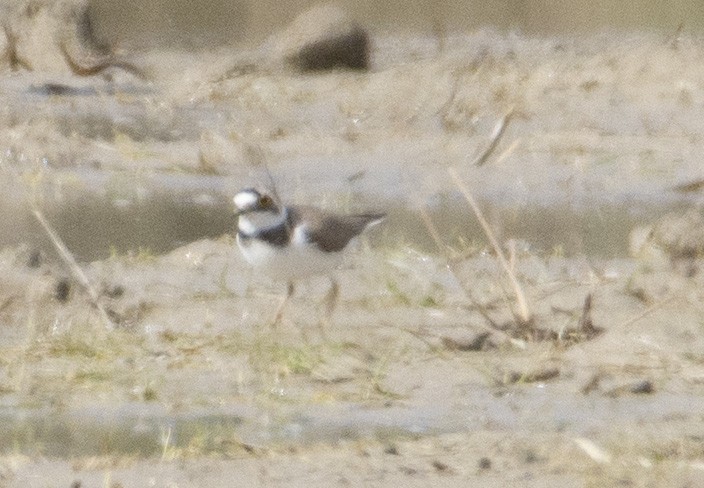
pixel 277 235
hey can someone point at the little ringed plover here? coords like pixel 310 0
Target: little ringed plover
pixel 289 243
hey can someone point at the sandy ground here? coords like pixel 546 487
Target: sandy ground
pixel 427 375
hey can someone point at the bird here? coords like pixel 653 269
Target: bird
pixel 294 242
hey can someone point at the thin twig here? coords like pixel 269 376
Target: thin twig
pixel 256 158
pixel 501 157
pixel 496 135
pixel 585 321
pixel 525 314
pixel 649 310
pixel 675 39
pixel 421 336
pixel 73 266
pixel 452 266
pixel 433 231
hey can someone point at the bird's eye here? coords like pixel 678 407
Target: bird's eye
pixel 265 201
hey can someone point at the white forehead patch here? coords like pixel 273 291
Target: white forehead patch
pixel 245 199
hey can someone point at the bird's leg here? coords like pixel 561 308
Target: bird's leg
pixel 331 297
pixel 330 303
pixel 280 311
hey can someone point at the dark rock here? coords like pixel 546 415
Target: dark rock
pixel 320 39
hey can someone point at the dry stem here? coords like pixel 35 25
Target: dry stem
pixel 525 314
pixel 73 266
pixel 496 135
pixel 649 310
pixel 452 265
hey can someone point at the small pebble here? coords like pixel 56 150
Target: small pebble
pixel 643 387
pixel 62 290
pixel 35 259
pixel 484 463
pixel 391 449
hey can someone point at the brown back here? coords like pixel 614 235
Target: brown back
pixel 329 231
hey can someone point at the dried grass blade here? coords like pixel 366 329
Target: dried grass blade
pixel 73 266
pixel 525 314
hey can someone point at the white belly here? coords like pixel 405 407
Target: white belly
pixel 289 263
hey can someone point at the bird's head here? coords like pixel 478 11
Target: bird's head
pixel 250 200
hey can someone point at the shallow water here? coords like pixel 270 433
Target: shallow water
pixel 98 212
pixel 144 431
pixel 117 170
pixel 96 226
pixel 175 21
